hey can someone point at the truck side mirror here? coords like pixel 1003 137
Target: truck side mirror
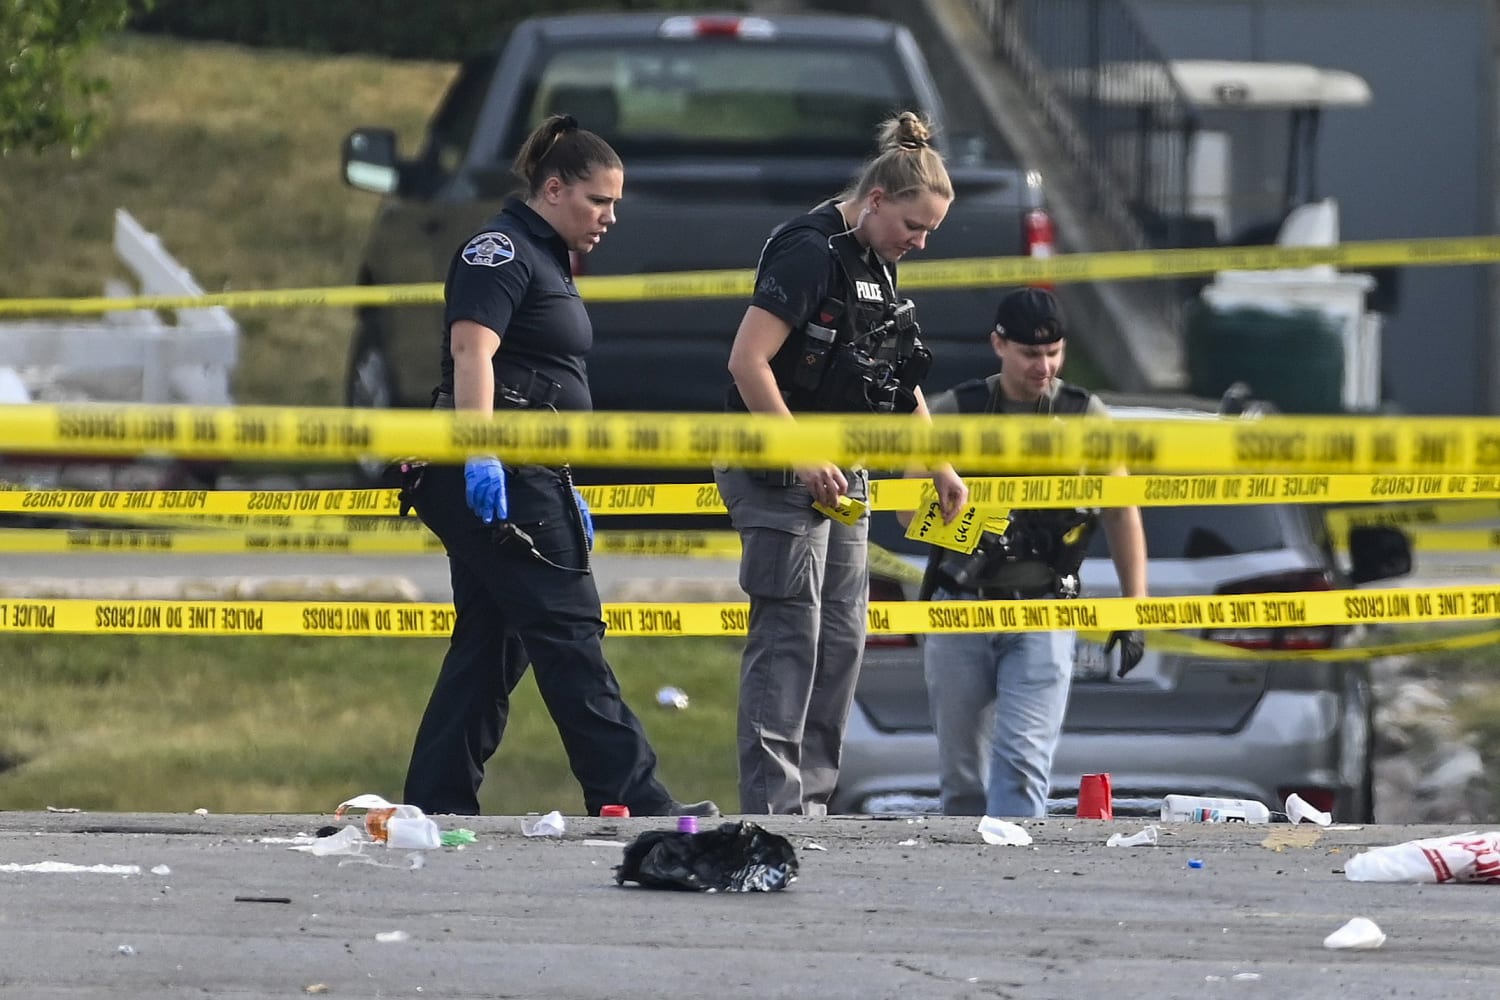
pixel 369 160
pixel 1378 552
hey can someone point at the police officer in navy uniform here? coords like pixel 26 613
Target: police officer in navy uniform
pixel 515 336
pixel 825 331
pixel 997 699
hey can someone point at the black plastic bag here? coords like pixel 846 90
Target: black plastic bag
pixel 736 857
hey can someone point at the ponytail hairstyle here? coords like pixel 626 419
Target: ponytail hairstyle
pixel 907 163
pixel 559 148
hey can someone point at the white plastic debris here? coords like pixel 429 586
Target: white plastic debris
pixel 908 842
pixel 65 868
pixel 1145 838
pixel 349 840
pixel 404 827
pixel 392 937
pixel 1359 934
pixel 161 870
pixel 550 825
pixel 200 812
pixel 813 845
pixel 1299 810
pixel 126 949
pixel 671 697
pixel 1002 833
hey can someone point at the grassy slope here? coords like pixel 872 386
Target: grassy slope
pixel 231 156
pixel 297 725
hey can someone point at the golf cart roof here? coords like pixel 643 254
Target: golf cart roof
pixel 1221 83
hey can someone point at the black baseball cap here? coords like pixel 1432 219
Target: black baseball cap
pixel 1030 316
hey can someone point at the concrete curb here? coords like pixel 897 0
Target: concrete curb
pixel 245 588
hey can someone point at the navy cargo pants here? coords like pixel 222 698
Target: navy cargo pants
pixel 513 610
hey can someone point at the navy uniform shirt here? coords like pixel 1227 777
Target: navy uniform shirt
pixel 514 277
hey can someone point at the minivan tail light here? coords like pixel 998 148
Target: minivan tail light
pixel 685 26
pixel 883 589
pixel 1290 637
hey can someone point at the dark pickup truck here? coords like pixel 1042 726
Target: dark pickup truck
pixel 727 126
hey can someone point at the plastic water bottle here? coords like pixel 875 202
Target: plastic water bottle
pixel 1201 809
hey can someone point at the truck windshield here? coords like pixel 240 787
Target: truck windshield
pixel 661 98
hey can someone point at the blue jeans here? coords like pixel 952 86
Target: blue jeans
pixel 1005 689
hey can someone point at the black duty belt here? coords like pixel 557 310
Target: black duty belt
pixel 997 592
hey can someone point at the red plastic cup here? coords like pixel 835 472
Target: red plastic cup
pixel 1094 797
pixel 615 811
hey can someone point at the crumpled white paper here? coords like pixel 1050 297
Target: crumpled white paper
pixel 1145 838
pixel 1002 833
pixel 1299 809
pixel 550 825
pixel 1359 934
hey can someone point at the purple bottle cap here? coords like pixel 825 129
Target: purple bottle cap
pixel 687 824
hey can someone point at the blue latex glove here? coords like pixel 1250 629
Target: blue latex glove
pixel 588 519
pixel 484 488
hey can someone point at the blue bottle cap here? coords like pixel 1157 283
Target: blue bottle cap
pixel 1195 863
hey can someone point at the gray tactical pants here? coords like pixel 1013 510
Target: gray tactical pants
pixel 808 582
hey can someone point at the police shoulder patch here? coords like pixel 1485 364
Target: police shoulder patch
pixel 489 250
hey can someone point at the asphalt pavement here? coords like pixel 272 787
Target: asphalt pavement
pixel 222 907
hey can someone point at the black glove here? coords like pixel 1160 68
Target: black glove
pixel 1132 648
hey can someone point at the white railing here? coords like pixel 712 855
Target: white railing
pixel 130 355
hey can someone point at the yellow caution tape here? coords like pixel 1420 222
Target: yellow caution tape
pixel 1134 265
pixel 702 544
pixel 1415 515
pixel 1417 454
pixel 329 522
pixel 424 293
pixel 977 272
pixel 21 540
pixel 1449 540
pixel 1182 644
pixel 379 537
pixel 884 562
pixel 1432 604
pixel 136 504
pixel 301 509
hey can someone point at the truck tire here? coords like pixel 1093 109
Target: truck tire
pixel 369 382
pixel 1357 743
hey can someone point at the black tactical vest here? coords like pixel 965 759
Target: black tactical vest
pixel 1056 538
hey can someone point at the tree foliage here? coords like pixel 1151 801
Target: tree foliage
pixel 46 96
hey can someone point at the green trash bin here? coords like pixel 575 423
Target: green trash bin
pixel 1292 358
